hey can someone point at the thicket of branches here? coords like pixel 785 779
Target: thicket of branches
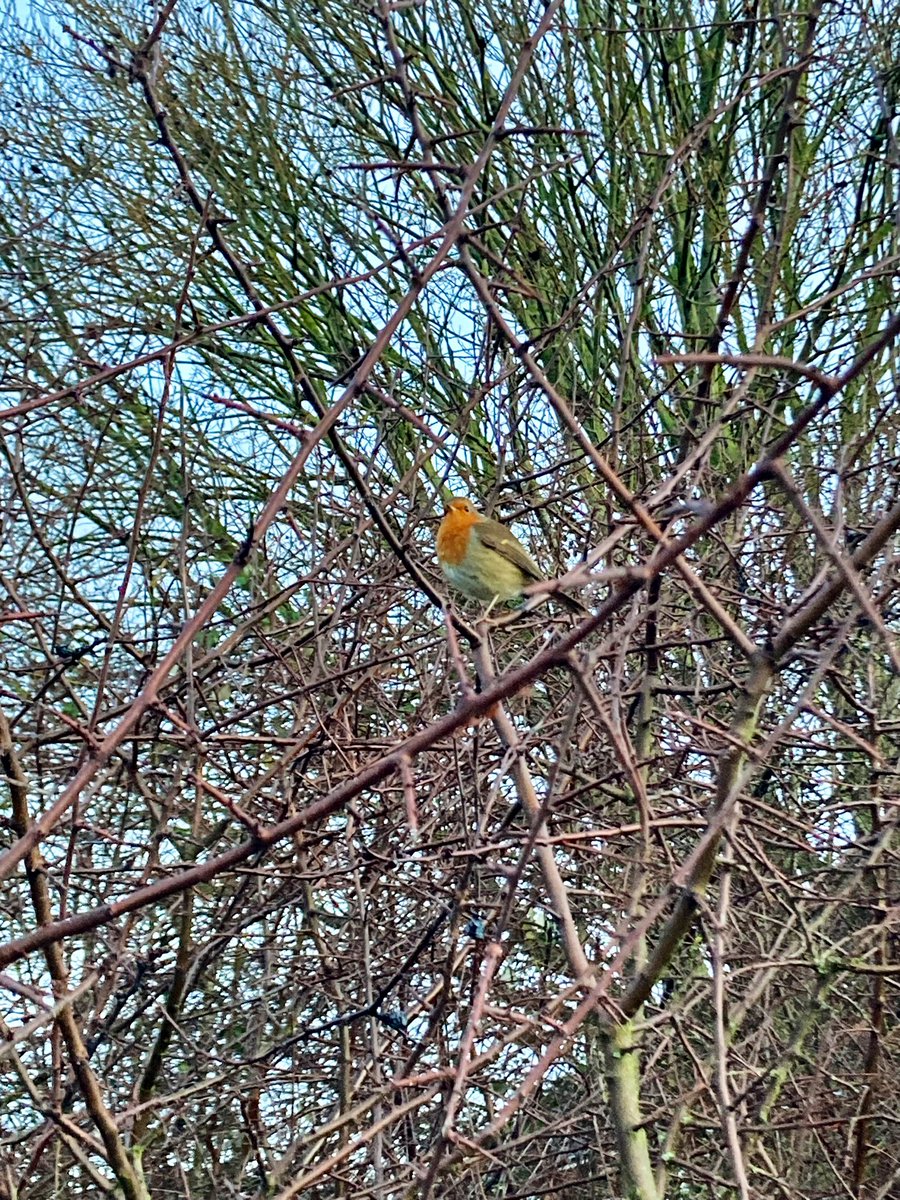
pixel 310 886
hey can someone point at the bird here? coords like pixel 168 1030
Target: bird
pixel 484 560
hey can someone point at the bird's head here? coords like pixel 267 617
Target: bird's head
pixel 459 504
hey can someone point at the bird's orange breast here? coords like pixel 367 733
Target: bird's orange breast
pixel 453 536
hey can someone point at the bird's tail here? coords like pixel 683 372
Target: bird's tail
pixel 573 605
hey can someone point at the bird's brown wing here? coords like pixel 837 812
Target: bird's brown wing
pixel 497 537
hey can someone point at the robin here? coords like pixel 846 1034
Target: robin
pixel 484 559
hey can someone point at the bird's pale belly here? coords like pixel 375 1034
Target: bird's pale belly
pixel 502 580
